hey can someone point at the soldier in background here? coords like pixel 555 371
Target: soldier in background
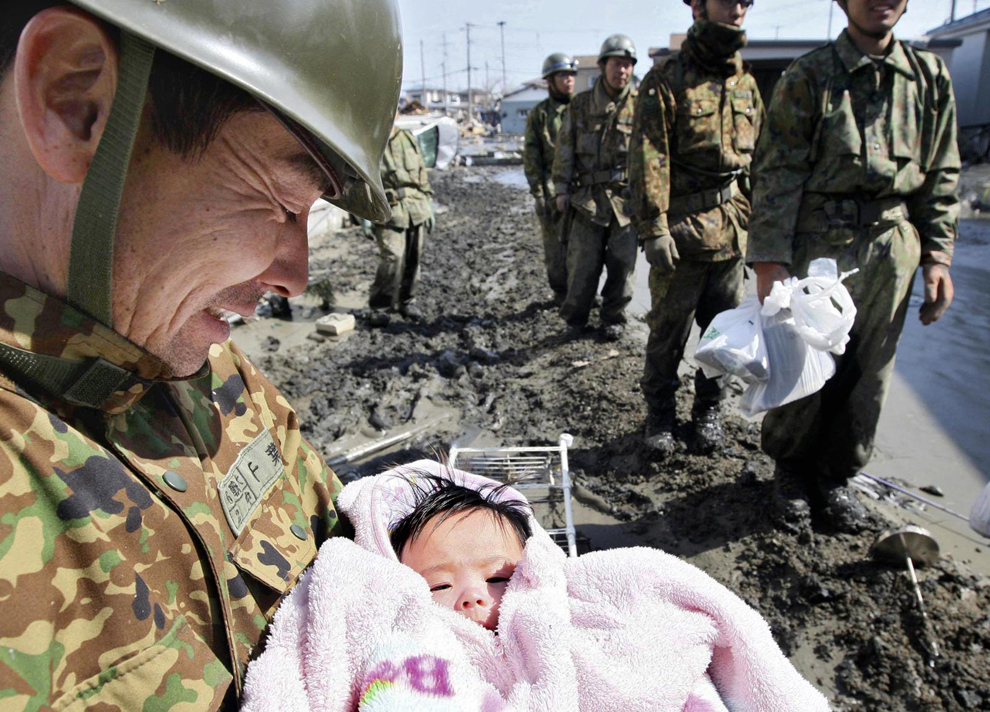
pixel 401 239
pixel 542 126
pixel 858 162
pixel 697 119
pixel 589 175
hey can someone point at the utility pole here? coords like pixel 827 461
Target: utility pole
pixel 470 107
pixel 422 69
pixel 831 11
pixel 952 16
pixel 501 31
pixel 444 67
pixel 488 91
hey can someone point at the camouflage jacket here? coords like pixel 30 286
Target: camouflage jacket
pixel 144 546
pixel 407 185
pixel 695 131
pixel 542 127
pixel 843 127
pixel 590 158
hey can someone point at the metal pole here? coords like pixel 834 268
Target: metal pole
pixel 422 69
pixel 952 15
pixel 444 66
pixel 470 107
pixel 501 31
pixel 831 11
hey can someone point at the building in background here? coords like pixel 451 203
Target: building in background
pixel 517 104
pixel 456 104
pixel 969 65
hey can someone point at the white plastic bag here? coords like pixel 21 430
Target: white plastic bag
pixel 979 515
pixel 733 344
pixel 804 321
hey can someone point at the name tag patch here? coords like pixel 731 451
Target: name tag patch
pixel 249 479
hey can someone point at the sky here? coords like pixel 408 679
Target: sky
pixel 535 28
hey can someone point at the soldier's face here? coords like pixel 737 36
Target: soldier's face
pixel 197 236
pixel 874 17
pixel 618 71
pixel 727 12
pixel 564 83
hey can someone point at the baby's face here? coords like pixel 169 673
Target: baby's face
pixel 467 560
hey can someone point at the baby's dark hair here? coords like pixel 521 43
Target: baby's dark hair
pixel 440 496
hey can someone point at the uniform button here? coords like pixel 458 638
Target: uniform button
pixel 175 481
pixel 876 147
pixel 298 532
pixel 699 112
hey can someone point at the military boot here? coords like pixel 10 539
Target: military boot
pixel 843 509
pixel 708 432
pixel 791 507
pixel 658 433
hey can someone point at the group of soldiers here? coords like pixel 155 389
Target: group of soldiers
pixel 855 159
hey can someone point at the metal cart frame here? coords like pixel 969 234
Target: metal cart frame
pixel 527 468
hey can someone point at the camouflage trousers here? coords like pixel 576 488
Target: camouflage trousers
pixel 694 291
pixel 831 433
pixel 554 252
pixel 399 253
pixel 590 247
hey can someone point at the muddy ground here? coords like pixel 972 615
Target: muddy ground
pixel 489 358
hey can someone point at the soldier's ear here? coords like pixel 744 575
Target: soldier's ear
pixel 65 75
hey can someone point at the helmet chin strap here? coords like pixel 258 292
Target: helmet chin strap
pixel 91 256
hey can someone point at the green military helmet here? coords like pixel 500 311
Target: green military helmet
pixel 559 62
pixel 617 46
pixel 332 67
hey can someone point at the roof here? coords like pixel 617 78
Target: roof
pixel 976 21
pixel 525 95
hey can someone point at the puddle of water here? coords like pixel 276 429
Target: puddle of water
pixel 514 178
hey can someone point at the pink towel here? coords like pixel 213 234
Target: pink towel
pixel 626 629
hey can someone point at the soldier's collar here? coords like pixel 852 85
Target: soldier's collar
pixel 853 59
pixel 56 352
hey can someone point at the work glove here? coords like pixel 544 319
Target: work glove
pixel 661 252
pixel 562 202
pixel 540 205
pixel 367 229
pixel 431 221
pixel 938 292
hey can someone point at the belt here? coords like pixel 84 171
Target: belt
pixel 705 199
pixel 394 195
pixel 584 180
pixel 849 212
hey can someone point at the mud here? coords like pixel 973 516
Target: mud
pixel 488 365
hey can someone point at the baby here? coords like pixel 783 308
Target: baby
pixel 465 542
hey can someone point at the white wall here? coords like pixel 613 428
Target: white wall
pixel 969 66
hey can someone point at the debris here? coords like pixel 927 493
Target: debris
pixel 271 344
pixel 934 490
pixel 316 336
pixel 911 544
pixel 335 324
pixel 583 364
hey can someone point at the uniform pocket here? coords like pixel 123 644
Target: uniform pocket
pixel 743 116
pixel 178 668
pixel 697 125
pixel 840 133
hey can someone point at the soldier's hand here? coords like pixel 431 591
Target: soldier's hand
pixel 938 292
pixel 661 252
pixel 431 221
pixel 562 202
pixel 766 274
pixel 367 229
pixel 540 205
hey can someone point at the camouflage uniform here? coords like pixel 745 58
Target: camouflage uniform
pixel 144 544
pixel 853 147
pixel 542 126
pixel 697 120
pixel 590 166
pixel 400 240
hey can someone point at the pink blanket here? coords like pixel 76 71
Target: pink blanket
pixel 626 629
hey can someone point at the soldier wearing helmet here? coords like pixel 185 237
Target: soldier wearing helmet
pixel 156 497
pixel 590 179
pixel 542 126
pixel 697 120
